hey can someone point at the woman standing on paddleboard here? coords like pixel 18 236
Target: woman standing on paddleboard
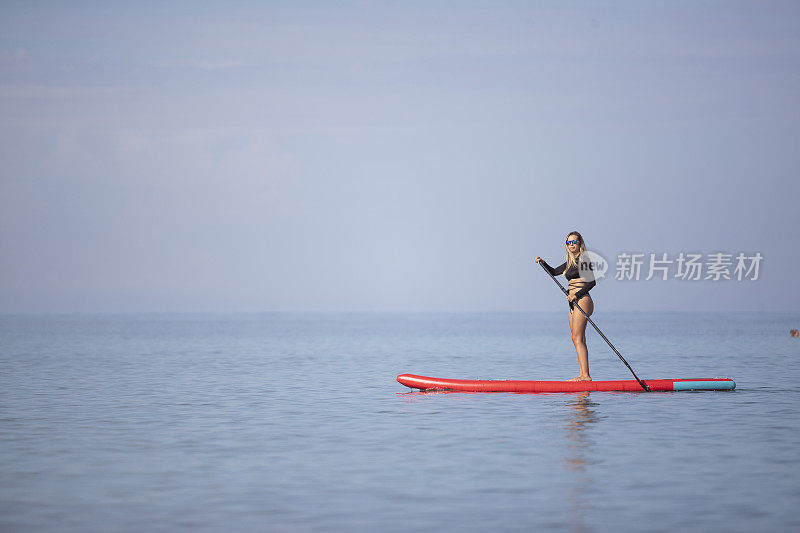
pixel 581 282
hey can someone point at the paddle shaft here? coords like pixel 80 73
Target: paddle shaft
pixel 575 303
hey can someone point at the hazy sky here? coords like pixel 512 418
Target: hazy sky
pixel 257 156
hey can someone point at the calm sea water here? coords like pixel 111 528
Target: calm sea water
pixel 276 422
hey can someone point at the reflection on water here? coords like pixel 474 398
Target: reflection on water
pixel 579 420
pixel 581 416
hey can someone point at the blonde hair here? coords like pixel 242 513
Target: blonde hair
pixel 573 260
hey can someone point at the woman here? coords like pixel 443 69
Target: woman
pixel 580 283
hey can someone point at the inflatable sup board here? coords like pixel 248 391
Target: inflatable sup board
pixel 629 385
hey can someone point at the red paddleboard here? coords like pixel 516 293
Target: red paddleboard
pixel 628 385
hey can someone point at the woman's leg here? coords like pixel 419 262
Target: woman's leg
pixel 578 323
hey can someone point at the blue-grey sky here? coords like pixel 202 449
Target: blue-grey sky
pixel 320 156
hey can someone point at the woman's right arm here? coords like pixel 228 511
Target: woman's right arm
pixel 554 271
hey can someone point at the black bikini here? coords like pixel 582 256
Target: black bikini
pixel 570 274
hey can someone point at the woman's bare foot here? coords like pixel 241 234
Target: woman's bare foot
pixel 581 378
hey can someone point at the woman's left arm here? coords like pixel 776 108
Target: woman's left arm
pixel 587 286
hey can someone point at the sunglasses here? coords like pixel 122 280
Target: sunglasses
pixel 573 242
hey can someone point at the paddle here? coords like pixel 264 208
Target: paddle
pixel 642 383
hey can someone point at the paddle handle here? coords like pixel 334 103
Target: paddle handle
pixel 575 303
